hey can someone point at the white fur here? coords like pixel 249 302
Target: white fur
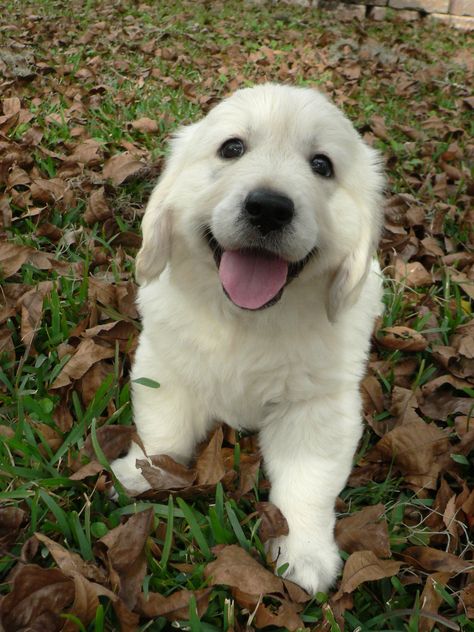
pixel 290 371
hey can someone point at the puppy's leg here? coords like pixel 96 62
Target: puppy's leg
pixel 170 420
pixel 308 453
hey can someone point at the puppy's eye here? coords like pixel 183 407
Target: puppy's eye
pixel 232 148
pixel 321 165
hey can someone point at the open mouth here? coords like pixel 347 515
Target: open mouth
pixel 253 278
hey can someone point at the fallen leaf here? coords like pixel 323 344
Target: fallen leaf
pixel 363 566
pixel 209 464
pixel 122 166
pixel 415 449
pixel 285 616
pixel 175 606
pixel 401 338
pixel 412 274
pixel 166 474
pixel 38 595
pixel 12 519
pixel 364 531
pixel 71 563
pixel 273 522
pixel 145 125
pixel 86 354
pixel 124 551
pixel 98 209
pixel 434 560
pixel 235 567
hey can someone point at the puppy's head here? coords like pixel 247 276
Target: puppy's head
pixel 274 183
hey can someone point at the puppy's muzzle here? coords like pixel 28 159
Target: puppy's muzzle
pixel 268 211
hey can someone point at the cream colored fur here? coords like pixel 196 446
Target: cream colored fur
pixel 291 371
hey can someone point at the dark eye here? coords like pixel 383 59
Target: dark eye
pixel 321 165
pixel 232 148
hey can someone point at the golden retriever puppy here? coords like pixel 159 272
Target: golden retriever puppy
pixel 258 296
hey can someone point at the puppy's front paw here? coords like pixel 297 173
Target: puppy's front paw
pixel 127 472
pixel 313 566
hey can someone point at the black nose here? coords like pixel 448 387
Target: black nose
pixel 267 210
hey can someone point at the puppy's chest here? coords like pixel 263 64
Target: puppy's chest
pixel 249 383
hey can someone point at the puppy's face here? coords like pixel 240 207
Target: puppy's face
pixel 273 183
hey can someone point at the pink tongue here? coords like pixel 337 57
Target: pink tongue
pixel 252 279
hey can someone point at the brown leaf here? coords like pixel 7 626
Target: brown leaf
pixel 285 615
pixel 48 191
pixel 86 153
pixel 441 403
pixel 12 257
pixel 430 600
pixel 401 338
pixel 166 474
pixel 403 407
pixel 372 394
pixel 86 354
pixel 412 274
pixel 71 563
pixel 273 522
pixel 92 380
pixel 248 473
pixel 97 208
pixel 363 566
pixel 32 310
pixel 122 166
pixel 145 125
pixel 363 531
pixel 175 606
pixel 12 519
pixel 235 567
pixel 113 440
pixel 125 553
pixel 467 600
pixel 209 464
pixel 434 560
pixel 37 594
pixel 415 449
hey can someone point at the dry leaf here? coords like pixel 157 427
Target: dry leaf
pixel 363 531
pixel 285 616
pixel 415 449
pixel 273 522
pixel 86 354
pixel 12 519
pixel 145 125
pixel 175 606
pixel 38 595
pixel 235 567
pixel 430 600
pixel 434 560
pixel 166 474
pixel 209 464
pixel 122 166
pixel 363 566
pixel 401 338
pixel 124 551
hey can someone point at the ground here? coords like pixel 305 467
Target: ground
pixel 90 92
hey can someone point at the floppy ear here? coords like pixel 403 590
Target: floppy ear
pixel 156 229
pixel 157 222
pixel 347 283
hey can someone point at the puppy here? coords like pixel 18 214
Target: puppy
pixel 258 296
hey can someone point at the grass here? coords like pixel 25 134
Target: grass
pixel 117 76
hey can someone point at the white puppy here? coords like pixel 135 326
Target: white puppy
pixel 258 298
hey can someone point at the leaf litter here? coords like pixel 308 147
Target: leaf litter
pixel 81 142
